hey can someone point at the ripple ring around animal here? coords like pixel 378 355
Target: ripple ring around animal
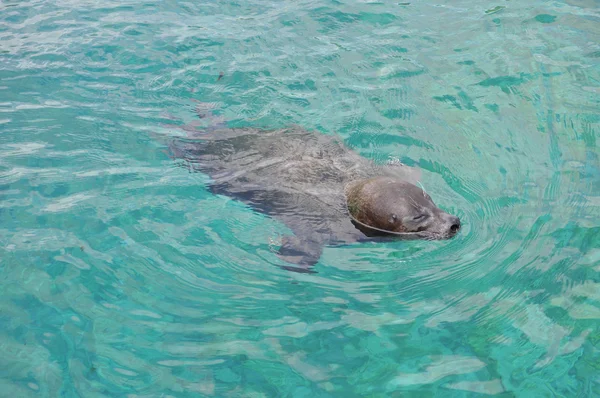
pixel 323 191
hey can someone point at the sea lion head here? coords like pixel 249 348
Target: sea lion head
pixel 387 205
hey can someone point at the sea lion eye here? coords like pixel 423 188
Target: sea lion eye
pixel 419 217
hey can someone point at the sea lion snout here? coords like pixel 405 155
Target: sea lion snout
pixel 452 223
pixel 443 225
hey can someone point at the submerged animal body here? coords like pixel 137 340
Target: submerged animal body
pixel 323 191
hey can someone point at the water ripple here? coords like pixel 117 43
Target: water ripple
pixel 122 274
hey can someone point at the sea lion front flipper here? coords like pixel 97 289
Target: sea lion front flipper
pixel 302 253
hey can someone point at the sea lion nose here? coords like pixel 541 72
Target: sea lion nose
pixel 454 224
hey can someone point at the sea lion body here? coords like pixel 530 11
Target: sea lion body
pixel 297 176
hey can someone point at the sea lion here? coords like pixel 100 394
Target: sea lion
pixel 326 193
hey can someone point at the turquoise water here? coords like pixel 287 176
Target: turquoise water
pixel 122 276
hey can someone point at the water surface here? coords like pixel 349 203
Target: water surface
pixel 121 275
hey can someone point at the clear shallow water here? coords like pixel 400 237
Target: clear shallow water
pixel 123 276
